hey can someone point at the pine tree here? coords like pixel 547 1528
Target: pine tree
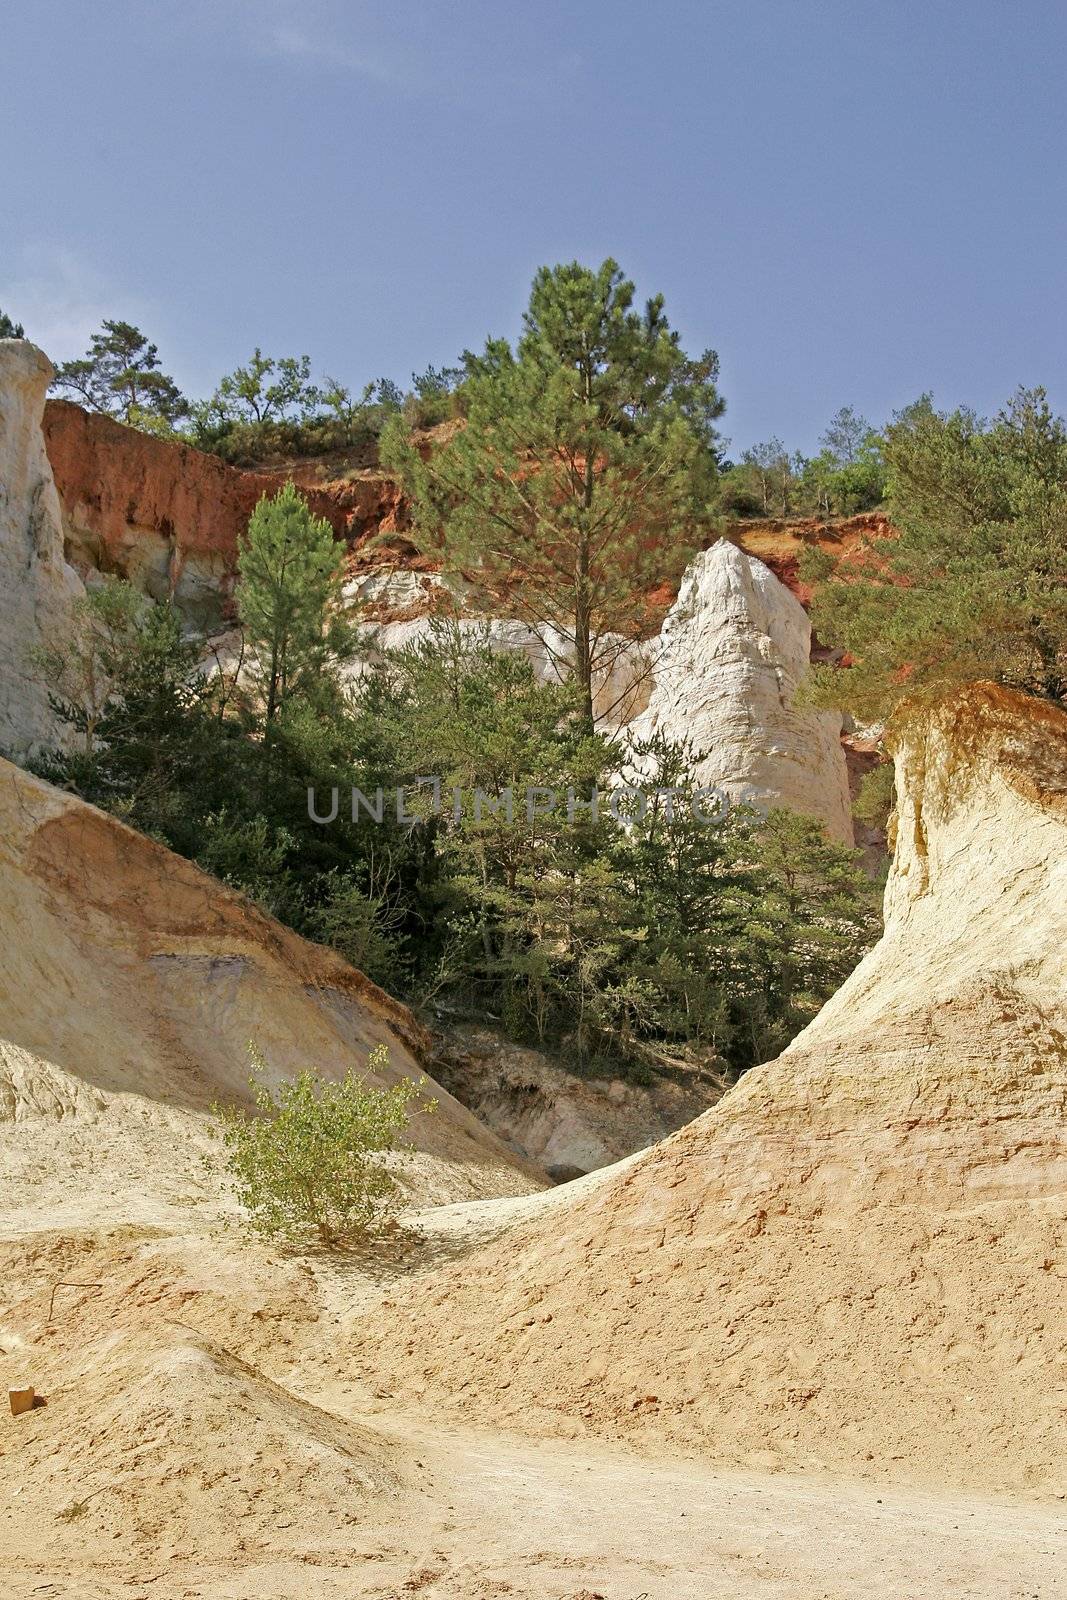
pixel 10 329
pixel 120 375
pixel 583 474
pixel 974 586
pixel 290 571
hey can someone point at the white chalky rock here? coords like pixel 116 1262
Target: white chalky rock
pixel 37 587
pixel 732 653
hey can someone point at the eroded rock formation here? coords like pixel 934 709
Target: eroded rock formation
pixel 779 542
pixel 723 672
pixel 567 1124
pixel 856 1260
pixel 727 665
pixel 37 587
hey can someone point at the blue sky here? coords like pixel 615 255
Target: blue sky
pixel 850 201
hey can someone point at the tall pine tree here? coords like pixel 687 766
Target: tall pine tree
pixel 583 474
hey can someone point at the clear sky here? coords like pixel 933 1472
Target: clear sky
pixel 851 201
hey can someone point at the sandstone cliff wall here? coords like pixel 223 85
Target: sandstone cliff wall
pixel 169 517
pixel 37 587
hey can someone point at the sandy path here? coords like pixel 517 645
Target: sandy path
pixel 498 1517
pixel 551 1521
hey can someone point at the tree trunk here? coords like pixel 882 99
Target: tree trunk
pixel 583 648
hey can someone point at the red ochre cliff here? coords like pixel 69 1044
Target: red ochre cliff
pixel 169 516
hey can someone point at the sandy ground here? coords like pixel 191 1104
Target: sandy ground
pixel 195 1474
pixel 497 1516
pixel 856 1262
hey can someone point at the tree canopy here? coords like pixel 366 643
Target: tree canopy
pixel 583 474
pixel 121 376
pixel 974 584
pixel 290 569
pixel 845 476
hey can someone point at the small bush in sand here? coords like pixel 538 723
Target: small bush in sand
pixel 310 1160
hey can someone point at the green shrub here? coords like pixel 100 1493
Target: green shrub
pixel 364 928
pixel 973 585
pixel 309 1162
pixel 876 796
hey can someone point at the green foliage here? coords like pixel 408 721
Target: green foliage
pixel 160 738
pixel 121 376
pixel 252 855
pixel 876 796
pixel 847 475
pixel 770 471
pixel 829 489
pixel 268 408
pixel 583 474
pixel 600 941
pixel 365 927
pixel 581 478
pixel 740 493
pixel 9 329
pixel 152 740
pixel 351 417
pixel 607 944
pixel 680 883
pixel 809 916
pixel 975 585
pixel 267 388
pixel 271 409
pixel 436 395
pixel 260 407
pixel 290 571
pixel 479 719
pixel 310 1161
pixel 82 668
pixel 846 437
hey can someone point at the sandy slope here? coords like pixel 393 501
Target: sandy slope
pixel 130 986
pixel 856 1262
pixel 768 1348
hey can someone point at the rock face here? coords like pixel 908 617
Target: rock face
pixel 169 517
pixel 856 1261
pixel 732 653
pixel 780 543
pixel 130 985
pixel 733 649
pixel 37 588
pixel 566 1124
pixel 723 672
